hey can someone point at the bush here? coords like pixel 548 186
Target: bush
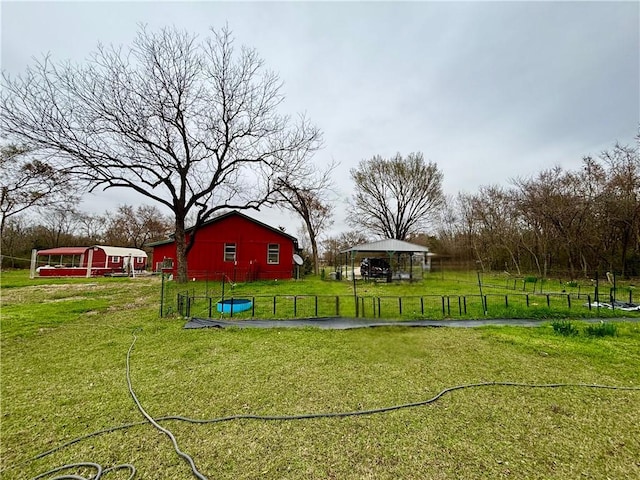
pixel 564 327
pixel 602 330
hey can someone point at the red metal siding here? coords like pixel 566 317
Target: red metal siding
pixel 74 272
pixel 206 258
pixel 99 259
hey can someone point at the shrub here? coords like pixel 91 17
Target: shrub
pixel 602 330
pixel 564 327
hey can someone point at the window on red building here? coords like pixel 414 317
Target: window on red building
pixel 273 253
pixel 229 252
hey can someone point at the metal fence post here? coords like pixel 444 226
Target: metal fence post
pixel 162 297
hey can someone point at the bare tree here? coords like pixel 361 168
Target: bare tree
pixel 133 227
pixel 59 226
pixel 305 192
pixel 14 242
pixel 396 197
pixel 191 124
pixel 494 212
pixel 27 182
pixel 332 246
pixel 622 202
pixel 91 227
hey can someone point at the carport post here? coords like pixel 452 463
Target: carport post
pixel 411 266
pixel 353 275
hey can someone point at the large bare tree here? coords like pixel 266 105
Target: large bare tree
pixel 305 193
pixel 192 124
pixel 396 197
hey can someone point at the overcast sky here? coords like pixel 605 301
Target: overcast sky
pixel 487 90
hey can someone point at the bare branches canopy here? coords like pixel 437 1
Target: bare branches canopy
pixel 192 124
pixel 27 182
pixel 396 197
pixel 305 193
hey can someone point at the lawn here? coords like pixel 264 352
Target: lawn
pixel 64 352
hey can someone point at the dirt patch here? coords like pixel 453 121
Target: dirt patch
pixel 40 292
pixel 64 299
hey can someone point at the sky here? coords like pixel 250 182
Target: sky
pixel 489 91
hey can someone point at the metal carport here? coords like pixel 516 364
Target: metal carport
pixel 389 246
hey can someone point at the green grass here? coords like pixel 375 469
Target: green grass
pixel 63 355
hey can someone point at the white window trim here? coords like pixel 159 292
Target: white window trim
pixel 277 261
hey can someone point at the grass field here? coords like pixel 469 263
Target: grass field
pixel 64 346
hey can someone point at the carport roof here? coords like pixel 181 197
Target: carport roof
pixel 63 251
pixel 389 245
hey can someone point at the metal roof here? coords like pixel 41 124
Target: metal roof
pixel 389 245
pixel 122 251
pixel 111 251
pixel 63 251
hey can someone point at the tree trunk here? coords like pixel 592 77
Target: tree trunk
pixel 314 253
pixel 181 250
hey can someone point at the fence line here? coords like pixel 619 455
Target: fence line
pixel 422 306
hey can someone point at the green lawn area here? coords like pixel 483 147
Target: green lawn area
pixel 64 346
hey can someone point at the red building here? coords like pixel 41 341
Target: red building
pixel 235 245
pixel 87 261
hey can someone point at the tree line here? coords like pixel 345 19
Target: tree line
pixel 194 125
pixel 570 222
pixel 564 222
pixel 60 226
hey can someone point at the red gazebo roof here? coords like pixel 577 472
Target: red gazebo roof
pixel 63 251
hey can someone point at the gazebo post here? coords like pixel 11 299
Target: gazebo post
pixel 353 276
pixel 411 266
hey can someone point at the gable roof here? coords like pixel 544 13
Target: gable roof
pixel 389 245
pixel 222 217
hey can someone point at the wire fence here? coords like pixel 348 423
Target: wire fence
pixel 515 305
